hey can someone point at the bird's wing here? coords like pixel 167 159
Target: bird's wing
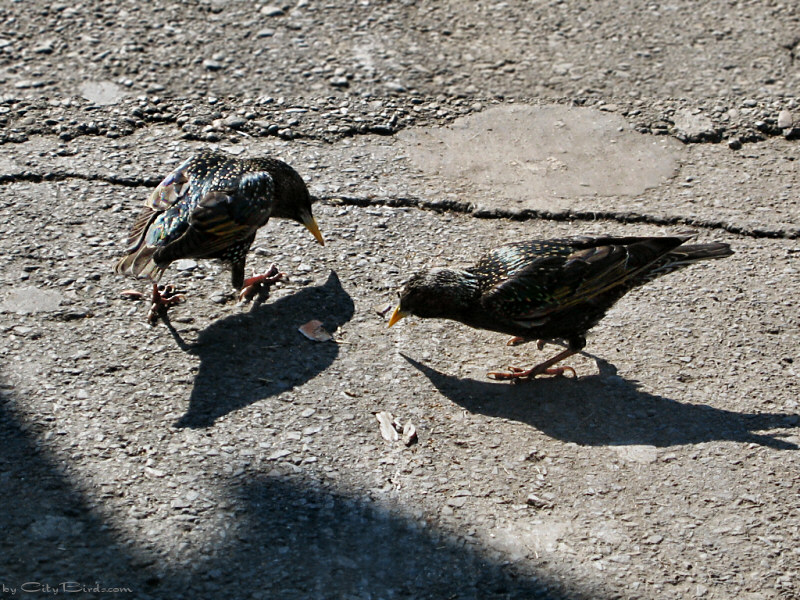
pixel 222 218
pixel 169 192
pixel 560 280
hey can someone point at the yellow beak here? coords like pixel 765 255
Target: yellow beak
pixel 311 224
pixel 397 315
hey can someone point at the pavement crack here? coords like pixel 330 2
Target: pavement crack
pixel 451 206
pixel 32 177
pixel 566 215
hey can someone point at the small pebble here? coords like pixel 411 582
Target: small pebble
pixel 271 11
pixel 234 122
pixel 185 264
pixel 212 65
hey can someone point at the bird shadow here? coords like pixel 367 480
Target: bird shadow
pixel 248 357
pixel 607 410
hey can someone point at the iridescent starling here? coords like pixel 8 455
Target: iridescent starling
pixel 547 289
pixel 211 206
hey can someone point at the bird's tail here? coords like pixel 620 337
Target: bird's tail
pixel 689 254
pixel 685 255
pixel 141 263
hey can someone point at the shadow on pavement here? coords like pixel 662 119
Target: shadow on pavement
pixel 293 543
pixel 607 410
pixel 245 358
pixel 50 533
pixel 317 543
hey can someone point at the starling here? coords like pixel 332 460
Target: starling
pixel 211 206
pixel 547 289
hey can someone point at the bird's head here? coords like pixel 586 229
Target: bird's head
pixel 436 293
pixel 293 200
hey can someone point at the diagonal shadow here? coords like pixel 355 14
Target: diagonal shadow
pixel 296 542
pixel 607 410
pixel 245 358
pixel 51 535
pixel 351 548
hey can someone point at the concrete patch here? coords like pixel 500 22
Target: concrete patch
pixel 101 92
pixel 533 155
pixel 29 300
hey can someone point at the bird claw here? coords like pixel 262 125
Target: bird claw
pixel 258 284
pixel 517 374
pixel 514 373
pixel 163 298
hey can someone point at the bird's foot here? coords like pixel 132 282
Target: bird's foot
pixel 512 373
pixel 558 371
pixel 162 299
pixel 517 374
pixel 545 368
pixel 258 284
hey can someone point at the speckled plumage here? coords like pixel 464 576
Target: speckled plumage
pixel 548 289
pixel 211 206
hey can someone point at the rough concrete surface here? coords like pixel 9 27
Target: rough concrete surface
pixel 223 454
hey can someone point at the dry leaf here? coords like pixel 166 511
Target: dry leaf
pixel 382 310
pixel 409 433
pixel 388 431
pixel 131 295
pixel 314 331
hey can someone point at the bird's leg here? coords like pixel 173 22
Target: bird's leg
pixel 545 368
pixel 256 284
pixel 162 300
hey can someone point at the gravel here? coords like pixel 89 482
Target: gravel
pixel 224 454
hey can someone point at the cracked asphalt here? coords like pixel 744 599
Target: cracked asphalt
pixel 222 454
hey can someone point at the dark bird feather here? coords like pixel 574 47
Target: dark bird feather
pixel 211 206
pixel 548 289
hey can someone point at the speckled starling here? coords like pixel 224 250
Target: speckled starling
pixel 547 289
pixel 211 206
